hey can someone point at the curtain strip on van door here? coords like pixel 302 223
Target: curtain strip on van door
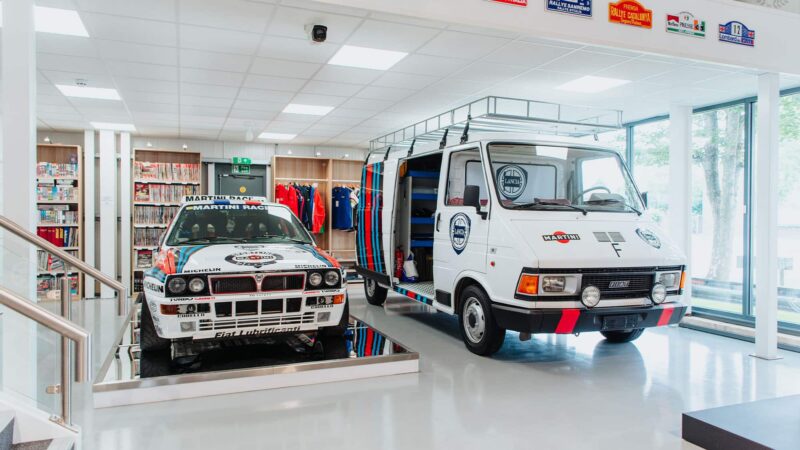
pixel 368 239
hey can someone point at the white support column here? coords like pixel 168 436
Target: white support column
pixel 766 216
pixel 89 235
pixel 125 209
pixel 19 335
pixel 680 174
pixel 211 175
pixel 108 208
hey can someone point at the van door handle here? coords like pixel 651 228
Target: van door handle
pixel 438 217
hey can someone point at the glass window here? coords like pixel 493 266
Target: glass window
pixel 789 212
pixel 651 166
pixel 717 253
pixel 465 169
pixel 613 140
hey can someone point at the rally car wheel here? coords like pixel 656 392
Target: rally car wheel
pixel 341 328
pixel 480 332
pixel 618 337
pixel 376 294
pixel 149 341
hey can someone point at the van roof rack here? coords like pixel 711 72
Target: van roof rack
pixel 503 114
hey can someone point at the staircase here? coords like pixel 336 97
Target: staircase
pixel 11 437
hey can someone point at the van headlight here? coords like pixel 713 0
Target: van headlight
pixel 176 285
pixel 670 280
pixel 331 277
pixel 553 284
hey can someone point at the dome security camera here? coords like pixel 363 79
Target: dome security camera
pixel 319 33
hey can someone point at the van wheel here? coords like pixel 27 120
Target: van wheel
pixel 618 337
pixel 478 328
pixel 149 340
pixel 376 294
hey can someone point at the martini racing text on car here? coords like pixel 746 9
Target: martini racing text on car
pixel 239 267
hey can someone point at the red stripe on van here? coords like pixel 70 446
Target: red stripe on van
pixel 368 219
pixel 666 314
pixel 569 317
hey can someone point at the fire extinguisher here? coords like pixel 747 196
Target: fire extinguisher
pixel 398 262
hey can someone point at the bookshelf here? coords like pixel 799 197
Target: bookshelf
pixel 160 178
pixel 59 204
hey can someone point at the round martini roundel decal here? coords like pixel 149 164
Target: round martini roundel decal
pixel 511 181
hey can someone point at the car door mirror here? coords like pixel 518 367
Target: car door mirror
pixel 472 197
pixel 644 199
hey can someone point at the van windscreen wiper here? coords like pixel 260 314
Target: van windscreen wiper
pixel 545 203
pixel 614 202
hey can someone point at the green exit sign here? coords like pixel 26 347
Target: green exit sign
pixel 241 161
pixel 240 169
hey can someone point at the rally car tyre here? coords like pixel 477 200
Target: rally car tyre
pixel 618 337
pixel 376 294
pixel 149 341
pixel 341 328
pixel 480 332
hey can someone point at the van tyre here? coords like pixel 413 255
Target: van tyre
pixel 618 337
pixel 480 332
pixel 376 294
pixel 149 340
pixel 341 328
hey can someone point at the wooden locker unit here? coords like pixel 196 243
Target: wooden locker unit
pixel 59 170
pixel 161 170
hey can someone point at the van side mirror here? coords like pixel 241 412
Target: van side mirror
pixel 644 199
pixel 472 197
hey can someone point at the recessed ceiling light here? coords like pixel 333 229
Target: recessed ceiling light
pixel 366 58
pixel 113 126
pixel 277 136
pixel 89 92
pixel 296 108
pixel 591 84
pixel 57 21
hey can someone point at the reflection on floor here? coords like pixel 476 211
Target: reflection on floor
pixel 552 392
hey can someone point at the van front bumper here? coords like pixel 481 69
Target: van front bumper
pixel 569 321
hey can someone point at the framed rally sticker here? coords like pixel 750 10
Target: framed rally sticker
pixel 511 181
pixel 459 232
pixel 253 259
pixel 687 24
pixel 736 32
pixel 580 8
pixel 561 237
pixel 630 12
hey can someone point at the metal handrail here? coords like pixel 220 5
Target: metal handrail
pixel 58 324
pixel 16 229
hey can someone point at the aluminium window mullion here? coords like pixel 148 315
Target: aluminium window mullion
pixel 747 260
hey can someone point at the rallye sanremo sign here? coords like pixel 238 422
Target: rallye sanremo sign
pixel 581 8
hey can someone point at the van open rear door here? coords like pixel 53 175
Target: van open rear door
pixel 374 220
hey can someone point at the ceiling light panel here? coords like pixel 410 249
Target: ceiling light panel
pixel 366 58
pixel 277 136
pixel 89 92
pixel 113 126
pixel 296 108
pixel 59 21
pixel 591 84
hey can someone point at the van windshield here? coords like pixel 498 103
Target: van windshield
pixel 556 178
pixel 226 224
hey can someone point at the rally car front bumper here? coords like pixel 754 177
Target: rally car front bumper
pixel 569 321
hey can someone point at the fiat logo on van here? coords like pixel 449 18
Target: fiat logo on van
pixel 511 181
pixel 459 232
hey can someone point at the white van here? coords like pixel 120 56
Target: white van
pixel 524 235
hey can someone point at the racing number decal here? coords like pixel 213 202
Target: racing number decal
pixel 459 232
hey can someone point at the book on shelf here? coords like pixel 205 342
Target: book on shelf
pixel 147 237
pixel 57 215
pixel 144 259
pixel 54 170
pixel 153 215
pixel 59 236
pixel 162 193
pixel 50 192
pixel 166 172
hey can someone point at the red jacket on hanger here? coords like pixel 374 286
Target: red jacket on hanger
pixel 286 195
pixel 318 219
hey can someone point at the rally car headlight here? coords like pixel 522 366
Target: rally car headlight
pixel 315 279
pixel 331 277
pixel 553 284
pixel 197 285
pixel 176 285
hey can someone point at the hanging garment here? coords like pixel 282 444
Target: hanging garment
pixel 299 201
pixel 318 213
pixel 286 195
pixel 306 207
pixel 342 211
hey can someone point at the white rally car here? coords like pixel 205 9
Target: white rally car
pixel 232 267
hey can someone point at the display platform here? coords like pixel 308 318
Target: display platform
pixel 200 369
pixel 764 424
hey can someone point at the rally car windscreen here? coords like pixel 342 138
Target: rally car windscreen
pixel 562 178
pixel 225 224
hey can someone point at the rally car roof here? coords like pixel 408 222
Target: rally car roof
pixel 226 199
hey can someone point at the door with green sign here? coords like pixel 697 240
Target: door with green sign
pixel 232 180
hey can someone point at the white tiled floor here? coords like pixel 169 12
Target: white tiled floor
pixel 552 392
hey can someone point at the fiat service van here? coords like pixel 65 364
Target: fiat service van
pixel 517 234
